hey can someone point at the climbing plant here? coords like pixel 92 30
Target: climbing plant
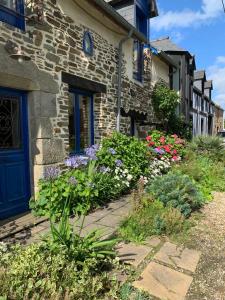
pixel 165 102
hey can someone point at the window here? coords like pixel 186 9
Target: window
pixel 141 21
pixel 138 60
pixel 12 12
pixel 88 43
pixel 81 121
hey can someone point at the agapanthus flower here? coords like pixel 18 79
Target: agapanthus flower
pixel 76 161
pixel 72 180
pixel 104 169
pixel 92 151
pixel 119 163
pixel 112 151
pixel 51 173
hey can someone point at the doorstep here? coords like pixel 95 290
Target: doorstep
pixel 18 223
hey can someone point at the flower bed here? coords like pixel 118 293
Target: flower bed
pixel 105 172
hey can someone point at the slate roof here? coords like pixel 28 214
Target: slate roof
pixel 199 74
pixel 209 84
pixel 165 44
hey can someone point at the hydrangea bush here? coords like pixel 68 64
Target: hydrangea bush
pixel 162 145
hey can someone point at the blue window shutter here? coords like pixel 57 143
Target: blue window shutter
pixel 14 18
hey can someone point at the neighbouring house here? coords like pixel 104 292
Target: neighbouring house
pixel 71 72
pixel 163 68
pixel 183 76
pixel 201 109
pixel 218 119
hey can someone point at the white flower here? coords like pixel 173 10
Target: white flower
pixel 117 177
pixel 129 177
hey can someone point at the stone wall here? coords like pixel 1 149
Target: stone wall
pixel 55 46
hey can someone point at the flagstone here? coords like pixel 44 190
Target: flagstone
pixel 132 254
pixel 163 282
pixel 173 255
pixel 153 242
pixel 110 221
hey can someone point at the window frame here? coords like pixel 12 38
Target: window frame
pixel 76 93
pixel 88 35
pixel 12 17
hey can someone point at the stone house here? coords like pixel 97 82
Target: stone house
pixel 218 124
pixel 184 74
pixel 71 72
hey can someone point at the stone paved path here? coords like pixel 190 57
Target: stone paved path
pixel 169 275
pixel 107 219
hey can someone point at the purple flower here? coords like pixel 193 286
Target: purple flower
pixel 159 151
pixel 51 173
pixel 92 151
pixel 72 180
pixel 112 151
pixel 76 161
pixel 104 169
pixel 119 163
pixel 90 184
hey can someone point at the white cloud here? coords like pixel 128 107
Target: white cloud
pixel 209 10
pixel 216 72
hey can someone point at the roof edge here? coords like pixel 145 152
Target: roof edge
pixel 110 11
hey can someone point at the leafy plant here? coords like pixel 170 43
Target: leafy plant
pixel 132 153
pixel 34 272
pixel 165 102
pixel 178 191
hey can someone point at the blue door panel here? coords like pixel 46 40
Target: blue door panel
pixel 14 158
pixel 17 190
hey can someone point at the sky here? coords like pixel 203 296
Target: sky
pixel 199 27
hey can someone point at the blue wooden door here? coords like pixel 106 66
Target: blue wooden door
pixel 14 158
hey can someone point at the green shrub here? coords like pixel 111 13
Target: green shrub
pixel 152 219
pixel 212 146
pixel 208 174
pixel 178 191
pixel 33 272
pixel 129 150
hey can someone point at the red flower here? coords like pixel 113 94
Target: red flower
pixel 148 138
pixel 175 152
pixel 167 148
pixel 175 158
pixel 151 144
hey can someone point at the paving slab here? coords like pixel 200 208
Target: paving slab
pixel 91 227
pixel 122 211
pixel 183 258
pixel 111 221
pixel 153 242
pixel 132 254
pixel 163 282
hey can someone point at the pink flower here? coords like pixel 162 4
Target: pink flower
pixel 175 152
pixel 174 136
pixel 162 140
pixel 148 138
pixel 174 158
pixel 151 144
